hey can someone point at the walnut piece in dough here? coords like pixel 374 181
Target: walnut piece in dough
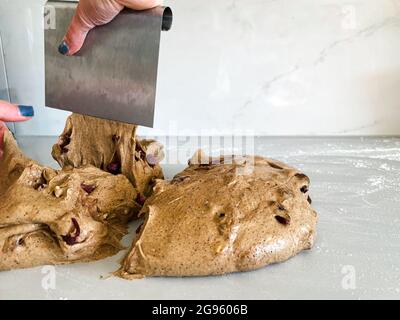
pixel 223 216
pixel 111 146
pixel 58 217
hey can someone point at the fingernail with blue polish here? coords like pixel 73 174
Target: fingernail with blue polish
pixel 63 48
pixel 26 111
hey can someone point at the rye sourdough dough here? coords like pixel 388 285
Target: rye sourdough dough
pixel 218 218
pixel 111 146
pixel 58 217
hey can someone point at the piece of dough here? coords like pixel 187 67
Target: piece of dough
pixel 218 218
pixel 12 164
pixel 58 217
pixel 111 146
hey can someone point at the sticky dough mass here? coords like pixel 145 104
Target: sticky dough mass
pixel 111 146
pixel 223 216
pixel 218 216
pixel 55 217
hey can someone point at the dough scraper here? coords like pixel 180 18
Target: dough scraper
pixel 114 75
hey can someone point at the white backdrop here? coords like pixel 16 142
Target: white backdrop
pixel 283 67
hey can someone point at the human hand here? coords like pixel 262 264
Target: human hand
pixel 12 113
pixel 92 13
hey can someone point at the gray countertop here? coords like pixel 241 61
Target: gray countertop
pixel 356 191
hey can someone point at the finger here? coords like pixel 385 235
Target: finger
pixel 89 14
pixel 76 34
pixel 140 4
pixel 3 129
pixel 74 38
pixel 13 113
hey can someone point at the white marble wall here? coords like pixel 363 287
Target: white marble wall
pixel 267 67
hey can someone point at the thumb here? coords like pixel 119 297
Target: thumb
pixel 89 14
pixel 76 35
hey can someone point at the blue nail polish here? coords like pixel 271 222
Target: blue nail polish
pixel 63 48
pixel 26 111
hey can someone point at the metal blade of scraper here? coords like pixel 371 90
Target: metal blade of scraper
pixel 114 75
